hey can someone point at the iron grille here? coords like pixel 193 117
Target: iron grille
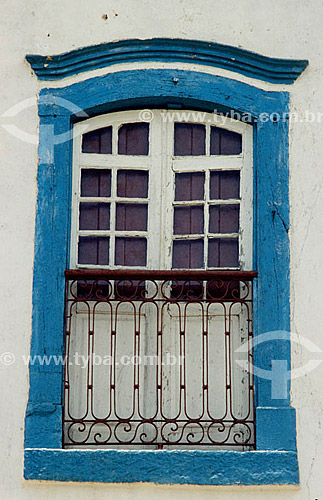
pixel 152 359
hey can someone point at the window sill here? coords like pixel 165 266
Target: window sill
pixel 164 467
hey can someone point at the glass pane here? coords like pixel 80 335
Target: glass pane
pixel 189 186
pixel 223 252
pixel 186 290
pixel 132 183
pixel 131 217
pixel 130 289
pixel 188 254
pixel 188 220
pixel 131 251
pixel 98 141
pixel 225 185
pixel 224 219
pixel 133 139
pixel 189 139
pixel 94 216
pixel 225 142
pixel 95 182
pixel 93 250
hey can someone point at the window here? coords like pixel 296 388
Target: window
pixel 160 371
pixel 274 459
pixel 162 195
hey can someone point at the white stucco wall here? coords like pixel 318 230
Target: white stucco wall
pixel 281 29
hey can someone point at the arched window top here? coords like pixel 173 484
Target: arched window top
pixel 196 133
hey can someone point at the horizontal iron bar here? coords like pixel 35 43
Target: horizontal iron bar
pixel 249 444
pixel 154 421
pixel 164 274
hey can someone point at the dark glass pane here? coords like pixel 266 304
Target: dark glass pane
pixel 132 183
pixel 189 186
pixel 225 185
pixel 188 254
pixel 188 220
pixel 130 251
pixel 133 139
pixel 95 182
pixel 101 289
pixel 224 219
pixel 98 141
pixel 94 216
pixel 223 252
pixel 189 139
pixel 130 289
pixel 93 289
pixel 186 290
pixel 131 217
pixel 225 142
pixel 93 250
pixel 223 289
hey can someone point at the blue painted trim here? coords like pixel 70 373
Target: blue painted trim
pixel 282 425
pixel 58 108
pixel 242 61
pixel 164 467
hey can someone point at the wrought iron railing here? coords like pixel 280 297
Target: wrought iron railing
pixel 153 359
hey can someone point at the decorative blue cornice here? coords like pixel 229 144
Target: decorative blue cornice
pixel 242 61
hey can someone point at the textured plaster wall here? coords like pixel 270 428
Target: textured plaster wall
pixel 281 29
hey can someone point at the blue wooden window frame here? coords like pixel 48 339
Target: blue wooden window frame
pixel 275 459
